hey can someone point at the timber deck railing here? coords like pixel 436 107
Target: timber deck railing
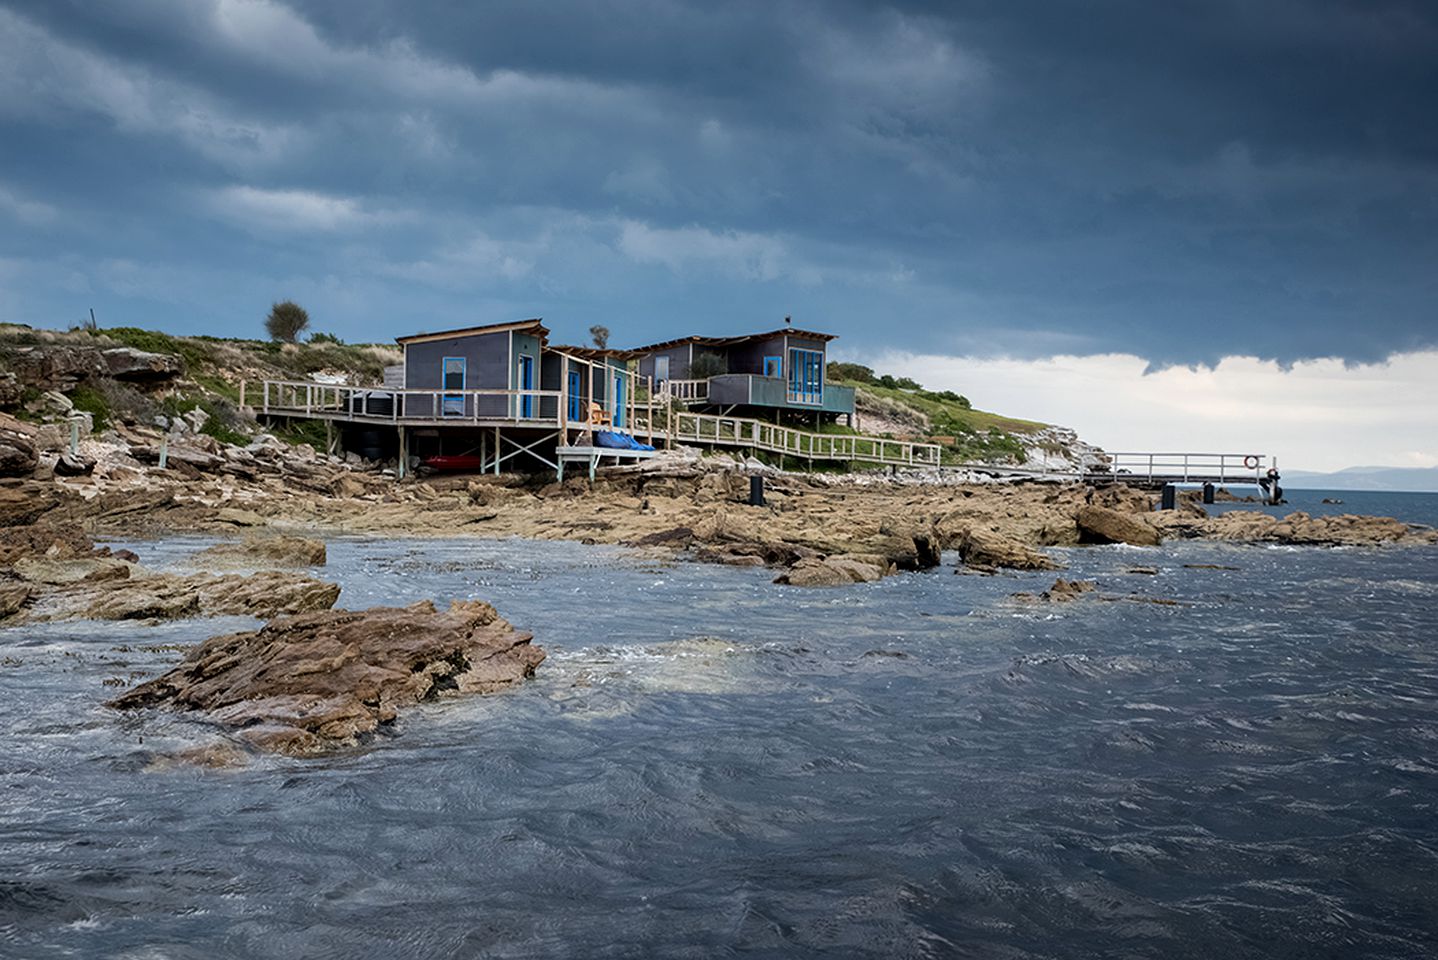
pixel 403 406
pixel 711 429
pixel 685 391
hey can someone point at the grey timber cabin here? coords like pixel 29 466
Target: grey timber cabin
pixel 758 374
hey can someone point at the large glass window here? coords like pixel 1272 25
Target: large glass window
pixel 806 376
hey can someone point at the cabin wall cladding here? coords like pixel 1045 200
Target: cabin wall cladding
pixel 749 357
pixel 486 357
pixel 678 363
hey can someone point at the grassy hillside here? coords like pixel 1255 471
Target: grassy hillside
pixel 213 370
pixel 900 405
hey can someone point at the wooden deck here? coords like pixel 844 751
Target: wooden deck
pixel 547 410
pixel 591 457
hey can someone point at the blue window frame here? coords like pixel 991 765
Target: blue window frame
pixel 773 366
pixel 452 378
pixel 576 401
pixel 526 382
pixel 806 376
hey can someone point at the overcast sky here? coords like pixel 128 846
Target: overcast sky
pixel 986 185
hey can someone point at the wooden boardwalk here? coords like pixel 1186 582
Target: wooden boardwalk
pixel 748 434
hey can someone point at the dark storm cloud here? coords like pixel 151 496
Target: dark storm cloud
pixel 1179 180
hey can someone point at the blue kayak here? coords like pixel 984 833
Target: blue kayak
pixel 614 440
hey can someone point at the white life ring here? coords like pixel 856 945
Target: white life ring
pixel 1250 462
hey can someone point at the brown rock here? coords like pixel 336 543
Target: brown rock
pixel 18 455
pixel 13 597
pixel 306 684
pixel 74 465
pixel 167 597
pixel 1104 525
pixel 48 570
pixel 985 548
pixel 835 571
pixel 272 550
pixel 1065 590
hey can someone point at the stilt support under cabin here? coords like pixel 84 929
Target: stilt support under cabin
pixel 402 466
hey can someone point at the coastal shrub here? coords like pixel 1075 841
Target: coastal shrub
pixel 325 338
pixel 194 352
pixel 707 365
pixel 225 422
pixel 297 432
pixel 287 320
pixel 851 372
pixel 88 399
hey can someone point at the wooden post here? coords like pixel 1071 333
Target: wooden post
pixel 403 455
pixel 242 394
pixel 563 406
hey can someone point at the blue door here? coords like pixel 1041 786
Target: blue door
pixel 576 402
pixel 452 382
pixel 526 382
pixel 618 410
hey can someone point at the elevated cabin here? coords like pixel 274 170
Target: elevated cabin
pixel 781 370
pixel 477 371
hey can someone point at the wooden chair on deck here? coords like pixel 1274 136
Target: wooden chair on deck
pixel 598 416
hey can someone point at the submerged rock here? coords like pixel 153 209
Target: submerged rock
pixel 273 550
pixel 311 683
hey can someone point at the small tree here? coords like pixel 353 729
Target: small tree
pixel 600 333
pixel 707 365
pixel 287 320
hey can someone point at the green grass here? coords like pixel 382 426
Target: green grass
pixel 193 351
pixel 942 411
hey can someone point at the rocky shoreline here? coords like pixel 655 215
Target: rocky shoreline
pixel 316 678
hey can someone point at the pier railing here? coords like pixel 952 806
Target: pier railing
pixel 1183 467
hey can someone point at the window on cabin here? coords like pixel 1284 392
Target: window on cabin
pixel 806 376
pixel 774 366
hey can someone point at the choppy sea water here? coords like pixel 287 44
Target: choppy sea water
pixel 709 764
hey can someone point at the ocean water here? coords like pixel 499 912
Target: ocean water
pixel 1419 508
pixel 709 764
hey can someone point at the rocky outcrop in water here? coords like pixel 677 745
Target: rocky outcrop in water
pixel 1098 524
pixel 108 588
pixel 837 571
pixel 267 550
pixel 989 549
pixel 309 684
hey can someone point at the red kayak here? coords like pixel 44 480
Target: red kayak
pixel 462 462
